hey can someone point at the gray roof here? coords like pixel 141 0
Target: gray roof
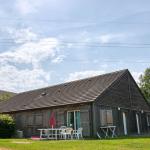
pixel 79 91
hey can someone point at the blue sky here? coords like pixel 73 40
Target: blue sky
pixel 46 42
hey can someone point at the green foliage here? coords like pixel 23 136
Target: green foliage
pixel 145 84
pixel 7 126
pixel 5 96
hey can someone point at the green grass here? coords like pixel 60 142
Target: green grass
pixel 115 144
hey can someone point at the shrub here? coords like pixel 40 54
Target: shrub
pixel 7 126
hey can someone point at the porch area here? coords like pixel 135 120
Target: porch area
pixel 70 122
pixel 113 122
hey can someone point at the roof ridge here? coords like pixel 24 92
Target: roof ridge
pixel 123 70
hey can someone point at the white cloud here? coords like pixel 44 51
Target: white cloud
pixel 26 7
pixel 13 79
pixel 32 52
pixel 83 74
pixel 21 67
pixel 104 66
pixel 136 75
pixel 58 59
pixel 106 38
pixel 22 35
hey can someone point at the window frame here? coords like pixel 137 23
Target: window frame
pixel 74 113
pixel 33 121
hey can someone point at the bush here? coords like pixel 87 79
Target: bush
pixel 7 126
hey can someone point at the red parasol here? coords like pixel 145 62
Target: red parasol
pixel 52 120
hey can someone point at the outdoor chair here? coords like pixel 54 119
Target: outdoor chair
pixel 63 127
pixel 78 133
pixel 44 134
pixel 66 133
pixel 62 131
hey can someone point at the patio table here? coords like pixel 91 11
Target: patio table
pixel 106 129
pixel 52 133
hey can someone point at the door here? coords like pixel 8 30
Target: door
pixel 137 122
pixel 70 119
pixel 125 123
pixel 73 119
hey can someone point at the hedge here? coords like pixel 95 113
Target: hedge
pixel 7 126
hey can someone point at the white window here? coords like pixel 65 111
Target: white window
pixel 106 117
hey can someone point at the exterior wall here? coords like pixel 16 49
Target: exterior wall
pixel 26 122
pixel 123 94
pixel 118 120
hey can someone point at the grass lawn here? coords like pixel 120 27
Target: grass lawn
pixel 115 144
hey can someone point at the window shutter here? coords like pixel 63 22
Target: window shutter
pixel 109 117
pixel 30 120
pixel 85 121
pixel 38 119
pixel 103 117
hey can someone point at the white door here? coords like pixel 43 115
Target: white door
pixel 125 123
pixel 137 122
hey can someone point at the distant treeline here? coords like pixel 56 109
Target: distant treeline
pixel 6 96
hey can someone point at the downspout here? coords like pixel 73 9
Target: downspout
pixel 93 120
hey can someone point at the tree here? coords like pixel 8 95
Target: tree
pixel 7 126
pixel 5 96
pixel 145 84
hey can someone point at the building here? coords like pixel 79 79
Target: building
pixel 109 99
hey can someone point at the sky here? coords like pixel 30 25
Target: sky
pixel 47 42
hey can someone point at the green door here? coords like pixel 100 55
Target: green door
pixel 73 119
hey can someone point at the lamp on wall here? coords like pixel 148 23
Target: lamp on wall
pixel 142 111
pixel 118 108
